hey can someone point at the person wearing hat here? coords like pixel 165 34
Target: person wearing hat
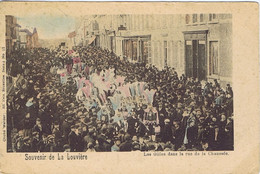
pixel 84 124
pixel 46 115
pixel 221 132
pixel 50 146
pixel 35 141
pixel 229 135
pixel 72 139
pixel 90 137
pixel 167 131
pixel 198 113
pixel 161 121
pixel 132 123
pixel 220 99
pixel 178 135
pixel 27 125
pixel 211 135
pixel 142 143
pixel 162 110
pixel 66 148
pixel 101 143
pixel 229 104
pixel 26 145
pixel 81 146
pixel 90 147
pixel 136 147
pixel 229 90
pixel 190 129
pixel 206 89
pixel 66 127
pixel 126 145
pixel 56 132
pixel 38 127
pixel 43 143
pixel 171 112
pixel 179 113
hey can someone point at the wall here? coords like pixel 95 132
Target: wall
pixel 169 28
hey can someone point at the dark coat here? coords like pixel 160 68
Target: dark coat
pixel 125 146
pixel 167 133
pixel 73 141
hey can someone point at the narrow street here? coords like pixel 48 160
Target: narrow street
pixel 88 99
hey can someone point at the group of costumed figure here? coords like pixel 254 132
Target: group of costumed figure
pixel 115 99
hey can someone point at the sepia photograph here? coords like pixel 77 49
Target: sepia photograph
pixel 112 83
pixel 129 87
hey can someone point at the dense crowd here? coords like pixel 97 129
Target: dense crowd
pixel 88 99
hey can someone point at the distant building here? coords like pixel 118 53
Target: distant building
pixel 28 39
pixel 72 41
pixel 23 37
pixel 54 43
pixel 35 39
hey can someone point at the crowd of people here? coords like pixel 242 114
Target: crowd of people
pixel 90 100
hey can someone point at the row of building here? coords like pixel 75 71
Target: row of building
pixel 17 38
pixel 198 45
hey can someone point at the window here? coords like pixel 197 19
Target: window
pixel 194 18
pixel 187 19
pixel 210 17
pixel 201 18
pixel 213 17
pixel 213 57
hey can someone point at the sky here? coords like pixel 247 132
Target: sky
pixel 48 26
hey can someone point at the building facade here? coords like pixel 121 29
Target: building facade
pixel 197 45
pixel 23 38
pixel 11 35
pixel 29 39
pixel 208 46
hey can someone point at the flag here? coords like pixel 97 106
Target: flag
pixel 72 34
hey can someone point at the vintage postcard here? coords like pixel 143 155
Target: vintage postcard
pixel 129 87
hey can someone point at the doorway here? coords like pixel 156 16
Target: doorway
pixel 195 58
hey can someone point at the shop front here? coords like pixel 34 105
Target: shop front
pixel 136 48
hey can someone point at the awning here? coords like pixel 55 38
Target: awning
pixel 91 40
